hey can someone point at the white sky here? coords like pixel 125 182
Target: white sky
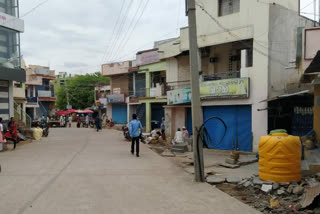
pixel 76 35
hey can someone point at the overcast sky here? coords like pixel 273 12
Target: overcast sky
pixel 75 36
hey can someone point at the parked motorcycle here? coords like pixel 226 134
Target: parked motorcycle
pixel 45 127
pixel 125 131
pixel 91 123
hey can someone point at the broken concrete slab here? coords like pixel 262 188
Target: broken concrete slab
pixel 290 188
pixel 257 181
pixel 266 188
pixel 275 186
pixel 280 192
pixel 215 180
pixel 247 159
pixel 234 179
pixel 298 190
pixel 231 161
pixel 310 194
pixel 182 146
pixel 247 184
pixel 231 166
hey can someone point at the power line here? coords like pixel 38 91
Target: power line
pixel 128 29
pixel 307 5
pixel 34 8
pixel 113 32
pixel 120 29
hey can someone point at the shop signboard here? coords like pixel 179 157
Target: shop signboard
pixel 116 91
pixel 115 98
pixel 179 96
pixel 103 100
pixel 149 57
pixel 238 87
pixel 11 22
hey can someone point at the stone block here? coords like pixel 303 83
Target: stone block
pixel 215 180
pixel 231 161
pixel 266 188
pixel 234 179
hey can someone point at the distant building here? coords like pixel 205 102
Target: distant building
pixel 40 93
pixel 60 80
pixel 10 57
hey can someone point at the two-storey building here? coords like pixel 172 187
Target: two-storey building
pixel 248 53
pixel 39 91
pixel 119 90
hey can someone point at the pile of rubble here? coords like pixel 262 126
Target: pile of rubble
pixel 273 197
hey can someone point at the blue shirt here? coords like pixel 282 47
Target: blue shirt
pixel 134 128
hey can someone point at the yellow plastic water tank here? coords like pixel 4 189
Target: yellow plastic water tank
pixel 280 158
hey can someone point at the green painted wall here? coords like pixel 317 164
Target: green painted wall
pixel 159 66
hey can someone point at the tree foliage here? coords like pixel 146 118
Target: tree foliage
pixel 80 90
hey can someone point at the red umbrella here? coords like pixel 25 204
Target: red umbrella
pixel 59 113
pixel 72 111
pixel 87 112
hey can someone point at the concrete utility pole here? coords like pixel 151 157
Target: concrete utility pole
pixel 315 12
pixel 195 90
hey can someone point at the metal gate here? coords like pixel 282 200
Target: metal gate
pixel 119 113
pixel 239 127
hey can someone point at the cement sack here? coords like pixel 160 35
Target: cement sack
pixel 37 133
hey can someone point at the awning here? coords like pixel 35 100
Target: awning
pixel 18 75
pixel 314 67
pixel 285 96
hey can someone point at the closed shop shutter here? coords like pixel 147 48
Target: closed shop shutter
pixel 157 112
pixel 4 100
pixel 239 128
pixel 119 113
pixel 189 120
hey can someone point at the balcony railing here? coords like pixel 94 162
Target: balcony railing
pixel 32 100
pixel 45 94
pixel 177 85
pixel 221 75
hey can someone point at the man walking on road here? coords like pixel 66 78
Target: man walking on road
pixel 134 132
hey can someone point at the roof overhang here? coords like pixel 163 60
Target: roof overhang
pixel 18 75
pixel 286 96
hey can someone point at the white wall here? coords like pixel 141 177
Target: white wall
pixel 283 50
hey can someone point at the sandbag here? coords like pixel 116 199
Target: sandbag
pixel 37 133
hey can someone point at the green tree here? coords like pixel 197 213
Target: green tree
pixel 80 90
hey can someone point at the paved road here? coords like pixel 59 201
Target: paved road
pixel 82 171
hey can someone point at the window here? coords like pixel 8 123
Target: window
pixel 227 7
pixel 9 48
pixel 9 7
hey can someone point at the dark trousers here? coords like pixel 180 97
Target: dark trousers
pixel 14 143
pixel 135 140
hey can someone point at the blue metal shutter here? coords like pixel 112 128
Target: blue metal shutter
pixel 157 112
pixel 239 130
pixel 189 121
pixel 119 113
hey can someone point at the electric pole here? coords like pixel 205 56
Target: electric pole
pixel 195 91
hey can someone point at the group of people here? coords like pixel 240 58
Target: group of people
pixel 135 131
pixel 180 136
